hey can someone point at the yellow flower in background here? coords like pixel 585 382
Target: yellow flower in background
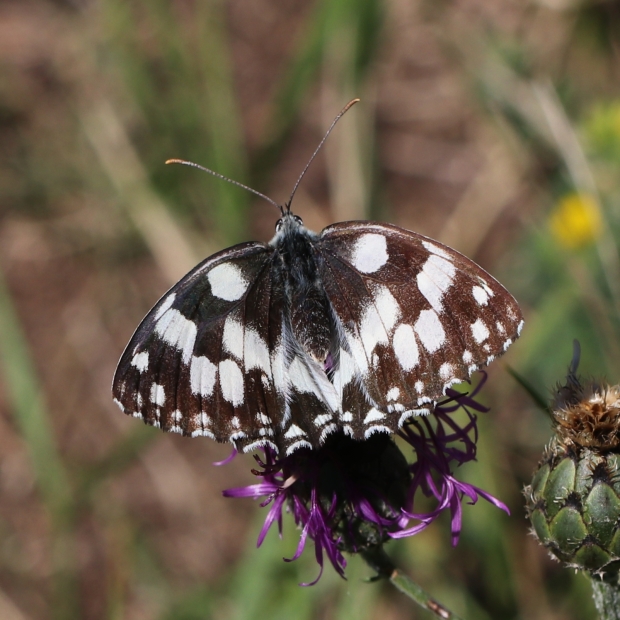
pixel 576 220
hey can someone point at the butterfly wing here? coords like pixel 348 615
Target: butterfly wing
pixel 200 363
pixel 415 317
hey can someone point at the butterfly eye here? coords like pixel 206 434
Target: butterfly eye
pixel 298 220
pixel 278 225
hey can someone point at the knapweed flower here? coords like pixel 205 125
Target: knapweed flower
pixel 352 496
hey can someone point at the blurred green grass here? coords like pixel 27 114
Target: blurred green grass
pixel 95 97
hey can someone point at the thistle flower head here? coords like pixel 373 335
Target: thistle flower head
pixel 586 413
pixel 349 496
pixel 573 500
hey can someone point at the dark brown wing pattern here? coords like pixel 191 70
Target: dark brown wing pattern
pixel 416 317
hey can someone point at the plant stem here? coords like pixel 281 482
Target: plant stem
pixel 606 597
pixel 380 561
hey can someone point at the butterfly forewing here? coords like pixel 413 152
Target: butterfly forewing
pixel 199 363
pixel 415 316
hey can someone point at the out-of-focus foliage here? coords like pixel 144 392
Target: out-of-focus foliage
pixel 493 126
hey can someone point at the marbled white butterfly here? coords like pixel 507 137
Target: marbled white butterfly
pixel 355 329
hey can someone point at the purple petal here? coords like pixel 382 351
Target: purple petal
pixel 228 459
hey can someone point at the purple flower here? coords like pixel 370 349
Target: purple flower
pixel 355 495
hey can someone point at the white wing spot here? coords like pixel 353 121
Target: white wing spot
pixel 201 419
pixel 480 295
pixel 345 371
pixel 500 328
pixel 227 282
pixel 166 305
pixel 235 422
pixel 293 432
pixel 303 379
pixel 232 337
pixel 479 331
pixel 374 415
pixel 419 387
pixel 347 416
pixel 256 354
pixel 387 307
pixel 177 331
pixel 372 329
pixel 322 419
pixel 141 361
pixel 158 395
pixel 436 277
pixel 430 330
pixel 370 253
pixel 393 393
pixel 231 382
pixel 202 374
pixel 467 356
pixel 446 371
pixel 406 347
pixel 360 361
pixel 520 327
pixel 279 371
pixel 507 343
pixel 435 249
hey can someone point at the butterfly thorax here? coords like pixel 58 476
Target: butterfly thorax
pixel 307 304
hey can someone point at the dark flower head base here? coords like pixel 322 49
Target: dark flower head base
pixel 355 495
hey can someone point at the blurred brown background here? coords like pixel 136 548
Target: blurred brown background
pixel 478 121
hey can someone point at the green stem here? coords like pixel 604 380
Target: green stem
pixel 606 597
pixel 379 561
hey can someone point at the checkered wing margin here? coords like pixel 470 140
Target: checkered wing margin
pixel 414 317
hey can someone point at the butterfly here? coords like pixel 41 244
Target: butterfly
pixel 281 344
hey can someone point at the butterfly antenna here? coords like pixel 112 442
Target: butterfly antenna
pixel 221 176
pixel 318 148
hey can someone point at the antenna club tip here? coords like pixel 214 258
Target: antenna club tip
pixel 172 161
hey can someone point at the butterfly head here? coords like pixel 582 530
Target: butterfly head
pixel 288 224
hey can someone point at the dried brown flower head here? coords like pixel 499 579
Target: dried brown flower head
pixel 587 415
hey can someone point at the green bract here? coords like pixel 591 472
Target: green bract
pixel 574 506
